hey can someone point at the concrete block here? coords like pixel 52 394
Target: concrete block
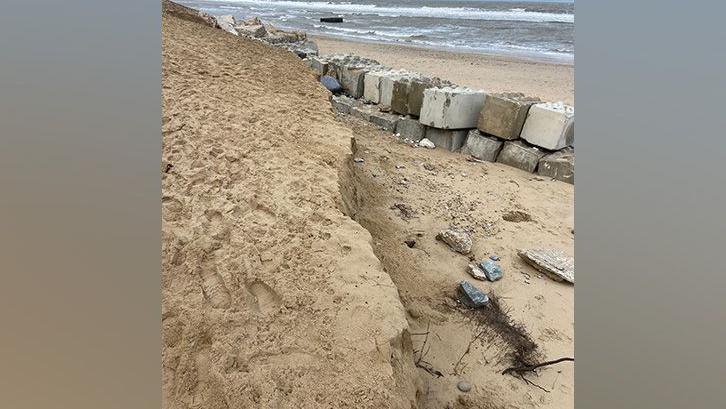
pixel 226 23
pixel 451 108
pixel 482 147
pixel 559 165
pixel 411 128
pixel 399 100
pixel 319 65
pixel 351 78
pixel 342 104
pixel 520 155
pixel 416 89
pixel 450 139
pixel 386 121
pixel 550 125
pixel 372 86
pixel 386 88
pixel 503 115
pixel 362 111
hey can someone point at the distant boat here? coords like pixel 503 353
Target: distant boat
pixel 331 19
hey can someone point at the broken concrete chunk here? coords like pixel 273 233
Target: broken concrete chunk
pixel 351 78
pixel 491 269
pixel 362 111
pixel 520 155
pixel 482 147
pixel 471 296
pixel 503 115
pixel 559 166
pixel 451 108
pixel 342 104
pixel 476 272
pixel 450 139
pixel 552 262
pixel 550 125
pixel 458 240
pixel 318 64
pixel 426 143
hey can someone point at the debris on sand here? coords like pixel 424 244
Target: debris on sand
pixel 458 240
pixel 405 211
pixel 426 143
pixel 491 269
pixel 476 272
pixel 471 296
pixel 552 262
pixel 464 386
pixel 517 216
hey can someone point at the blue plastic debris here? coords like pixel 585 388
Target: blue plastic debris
pixel 471 296
pixel 491 270
pixel 331 84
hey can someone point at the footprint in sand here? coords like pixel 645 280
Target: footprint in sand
pixel 264 299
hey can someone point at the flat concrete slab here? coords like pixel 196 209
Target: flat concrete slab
pixel 550 125
pixel 362 111
pixel 342 104
pixel 520 155
pixel 559 165
pixel 451 108
pixel 411 128
pixel 482 147
pixel 450 139
pixel 503 115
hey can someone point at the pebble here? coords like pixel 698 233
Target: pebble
pixel 358 160
pixel 495 258
pixel 464 386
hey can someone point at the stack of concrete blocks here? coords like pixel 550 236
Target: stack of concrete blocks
pixel 449 114
pixel 350 71
pixel 502 122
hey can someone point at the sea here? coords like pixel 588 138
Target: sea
pixel 540 30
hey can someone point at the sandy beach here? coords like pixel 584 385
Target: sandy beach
pixel 548 81
pixel 300 264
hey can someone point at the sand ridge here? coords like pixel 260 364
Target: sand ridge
pixel 271 296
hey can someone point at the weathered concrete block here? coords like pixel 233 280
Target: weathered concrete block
pixel 482 147
pixel 386 121
pixel 450 139
pixel 351 78
pixel 399 100
pixel 503 115
pixel 372 86
pixel 386 88
pixel 226 23
pixel 411 128
pixel 451 108
pixel 256 31
pixel 342 104
pixel 318 64
pixel 362 111
pixel 550 125
pixel 520 155
pixel 559 165
pixel 416 90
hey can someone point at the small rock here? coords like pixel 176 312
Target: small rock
pixel 358 160
pixel 476 272
pixel 494 257
pixel 459 240
pixel 464 386
pixel 410 243
pixel 491 269
pixel 552 262
pixel 426 143
pixel 471 296
pixel 400 166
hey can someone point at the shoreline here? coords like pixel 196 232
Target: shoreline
pixel 550 81
pixel 513 56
